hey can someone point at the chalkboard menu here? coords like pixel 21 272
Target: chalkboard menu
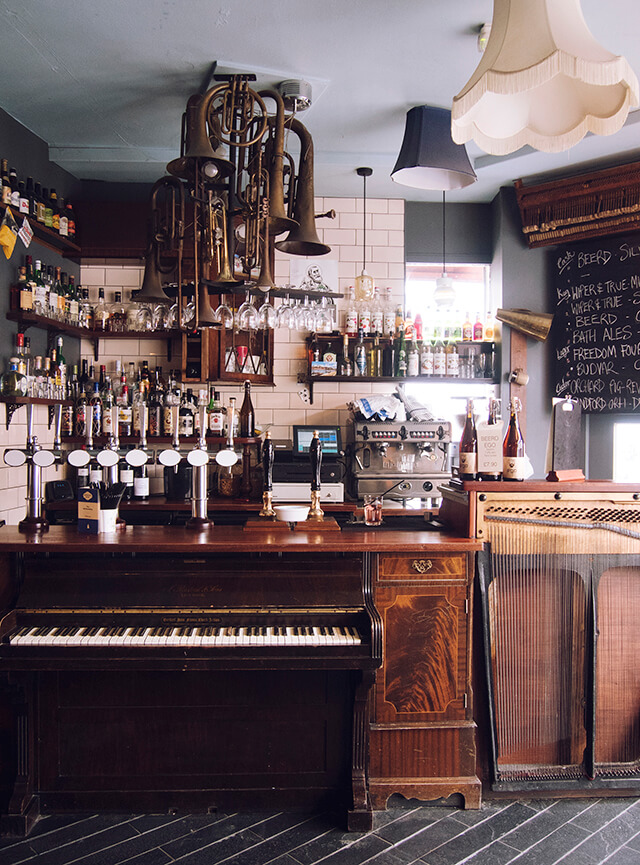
pixel 596 329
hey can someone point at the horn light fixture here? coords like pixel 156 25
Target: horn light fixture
pixel 543 80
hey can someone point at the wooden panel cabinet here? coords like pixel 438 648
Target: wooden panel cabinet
pixel 422 741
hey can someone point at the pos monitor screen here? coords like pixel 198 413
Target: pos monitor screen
pixel 329 437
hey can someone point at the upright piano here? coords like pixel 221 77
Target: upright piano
pixel 170 670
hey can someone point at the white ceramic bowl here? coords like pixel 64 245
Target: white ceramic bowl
pixel 291 513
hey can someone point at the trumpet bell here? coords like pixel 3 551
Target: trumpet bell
pixel 533 324
pixel 206 316
pixel 299 242
pixel 151 290
pixel 199 154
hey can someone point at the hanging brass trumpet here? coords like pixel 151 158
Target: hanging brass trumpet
pixel 304 239
pixel 217 220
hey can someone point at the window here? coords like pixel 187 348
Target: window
pixel 471 286
pixel 626 452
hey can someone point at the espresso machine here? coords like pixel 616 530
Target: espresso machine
pixel 399 459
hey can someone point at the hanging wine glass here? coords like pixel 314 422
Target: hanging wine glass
pixel 188 317
pixel 224 314
pixel 267 316
pixel 247 315
pixel 324 319
pixel 285 314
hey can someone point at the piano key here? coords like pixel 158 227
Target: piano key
pixel 186 636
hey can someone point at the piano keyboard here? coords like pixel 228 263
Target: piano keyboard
pixel 186 636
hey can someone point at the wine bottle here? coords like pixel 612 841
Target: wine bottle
pixel 468 460
pixel 96 402
pixel 360 356
pixel 141 483
pixel 513 450
pixel 247 414
pixel 345 367
pixel 493 420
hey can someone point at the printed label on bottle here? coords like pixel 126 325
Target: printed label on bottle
pixel 439 363
pixel 389 322
pixel 453 368
pixel 377 321
pixel 468 464
pixel 141 487
pixel 514 468
pixel 216 424
pixel 365 321
pixel 352 321
pixel 426 363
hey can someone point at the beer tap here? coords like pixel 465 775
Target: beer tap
pixel 199 458
pixel 36 459
pixel 267 458
pixel 171 456
pixel 315 452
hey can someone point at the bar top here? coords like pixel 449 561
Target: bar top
pixel 227 539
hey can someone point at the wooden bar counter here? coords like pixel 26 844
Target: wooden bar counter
pixel 161 667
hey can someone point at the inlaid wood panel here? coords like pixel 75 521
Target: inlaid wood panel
pixel 422 567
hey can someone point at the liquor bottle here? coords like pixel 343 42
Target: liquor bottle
pixel 126 477
pixel 186 425
pixel 13 382
pixel 171 399
pixel 61 362
pixel 80 413
pixel 489 328
pixel 478 330
pixel 247 414
pixel 439 358
pixel 125 425
pixel 85 313
pixel 401 355
pixel 345 366
pixel 40 299
pixel 23 199
pixel 25 287
pixel 49 201
pixel 374 358
pixel 494 417
pixel 456 327
pixel 413 359
pixel 399 320
pixel 329 355
pixel 388 359
pixel 109 423
pixel 377 313
pixel 15 194
pixel 26 196
pixel 513 450
pixel 141 483
pixel 6 183
pixel 452 361
pixel 34 202
pixel 467 328
pixel 117 320
pixel 96 403
pixel 66 419
pixel 216 415
pixel 360 356
pixel 417 327
pixel 408 327
pixel 351 322
pixel 156 408
pixel 63 219
pixel 389 323
pixel 71 221
pixel 468 451
pixel 55 211
pixel 426 359
pixel 100 313
pixel 73 302
pixel 364 316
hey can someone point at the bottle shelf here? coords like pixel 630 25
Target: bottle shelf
pixel 46 236
pixel 13 403
pixel 134 441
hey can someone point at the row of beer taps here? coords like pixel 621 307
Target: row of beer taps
pixel 36 458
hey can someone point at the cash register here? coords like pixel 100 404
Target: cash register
pixel 292 466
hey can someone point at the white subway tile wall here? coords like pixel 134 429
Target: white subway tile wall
pixel 277 407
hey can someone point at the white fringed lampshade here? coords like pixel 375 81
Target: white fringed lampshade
pixel 543 80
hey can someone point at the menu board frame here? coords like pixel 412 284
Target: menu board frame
pixel 596 329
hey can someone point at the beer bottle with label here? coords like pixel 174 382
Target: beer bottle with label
pixel 469 446
pixel 513 450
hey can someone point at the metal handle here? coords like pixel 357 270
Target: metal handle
pixel 422 565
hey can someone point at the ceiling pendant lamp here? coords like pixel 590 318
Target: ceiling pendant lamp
pixel 444 294
pixel 429 158
pixel 364 282
pixel 543 81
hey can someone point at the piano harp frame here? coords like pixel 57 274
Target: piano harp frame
pixel 559 588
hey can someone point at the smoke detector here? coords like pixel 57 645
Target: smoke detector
pixel 296 94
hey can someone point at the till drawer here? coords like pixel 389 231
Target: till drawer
pixel 422 567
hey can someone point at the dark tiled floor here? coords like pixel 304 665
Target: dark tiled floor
pixel 527 832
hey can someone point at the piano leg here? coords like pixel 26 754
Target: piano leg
pixel 360 816
pixel 24 805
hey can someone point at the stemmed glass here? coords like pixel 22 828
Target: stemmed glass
pixel 324 319
pixel 224 314
pixel 267 316
pixel 247 315
pixel 285 314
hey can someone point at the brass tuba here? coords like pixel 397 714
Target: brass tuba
pixel 195 145
pixel 279 220
pixel 304 239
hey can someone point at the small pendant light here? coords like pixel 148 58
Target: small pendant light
pixel 364 282
pixel 444 295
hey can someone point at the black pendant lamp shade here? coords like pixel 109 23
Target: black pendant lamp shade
pixel 429 158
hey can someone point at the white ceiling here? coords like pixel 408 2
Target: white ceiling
pixel 105 82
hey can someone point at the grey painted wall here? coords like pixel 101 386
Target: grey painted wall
pixel 468 227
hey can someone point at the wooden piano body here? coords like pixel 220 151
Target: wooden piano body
pixel 559 583
pixel 266 717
